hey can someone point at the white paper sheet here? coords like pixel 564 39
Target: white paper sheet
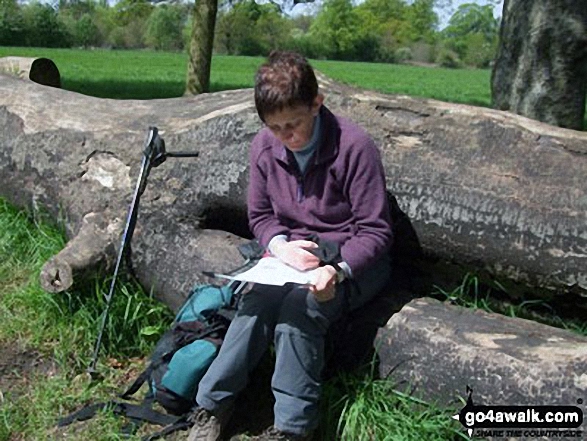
pixel 272 271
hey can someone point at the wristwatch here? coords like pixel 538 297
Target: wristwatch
pixel 340 274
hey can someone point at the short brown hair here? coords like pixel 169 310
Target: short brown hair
pixel 286 80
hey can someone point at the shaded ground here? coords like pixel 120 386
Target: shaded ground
pixel 17 365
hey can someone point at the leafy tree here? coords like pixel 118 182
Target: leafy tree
pixel 478 51
pixel 252 29
pixel 86 31
pixel 127 11
pixel 302 22
pixel 397 24
pixel 43 27
pixel 226 33
pixel 129 18
pixel 164 28
pixel 76 8
pixel 201 43
pixel 388 19
pixel 273 29
pixel 423 20
pixel 471 18
pixel 103 17
pixel 300 40
pixel 338 27
pixel 472 34
pixel 386 10
pixel 448 58
pixel 79 18
pixel 236 29
pixel 117 37
pixel 12 26
pixel 186 32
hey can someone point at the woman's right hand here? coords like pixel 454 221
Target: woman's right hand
pixel 295 254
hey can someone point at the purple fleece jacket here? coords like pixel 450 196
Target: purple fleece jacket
pixel 341 196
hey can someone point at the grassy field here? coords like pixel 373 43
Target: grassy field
pixel 149 74
pixel 145 74
pixel 46 340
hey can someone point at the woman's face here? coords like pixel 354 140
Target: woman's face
pixel 293 125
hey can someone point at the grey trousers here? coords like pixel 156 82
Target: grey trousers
pixel 296 323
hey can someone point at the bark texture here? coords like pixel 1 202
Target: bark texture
pixel 485 189
pixel 201 43
pixel 541 66
pixel 441 349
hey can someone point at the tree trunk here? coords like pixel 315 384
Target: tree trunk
pixel 541 66
pixel 201 44
pixel 490 191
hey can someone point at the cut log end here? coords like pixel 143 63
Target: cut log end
pixel 44 71
pixel 39 70
pixel 56 276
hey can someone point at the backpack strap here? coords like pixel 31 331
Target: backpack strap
pixel 85 413
pixel 135 423
pixel 142 412
pixel 136 385
pixel 182 424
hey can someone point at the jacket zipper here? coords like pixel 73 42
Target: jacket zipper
pixel 300 177
pixel 300 189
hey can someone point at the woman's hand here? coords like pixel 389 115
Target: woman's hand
pixel 295 254
pixel 324 287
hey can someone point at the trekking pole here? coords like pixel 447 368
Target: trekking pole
pixel 154 154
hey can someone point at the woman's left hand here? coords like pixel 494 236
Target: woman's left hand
pixel 324 286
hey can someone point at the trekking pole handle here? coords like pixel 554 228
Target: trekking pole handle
pixel 155 149
pixel 153 155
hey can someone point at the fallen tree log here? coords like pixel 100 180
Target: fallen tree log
pixel 439 349
pixel 485 189
pixel 40 70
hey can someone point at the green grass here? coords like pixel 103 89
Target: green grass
pixel 363 408
pixel 62 329
pixel 59 331
pixel 468 86
pixel 147 74
pixel 138 74
pixel 70 318
pixel 150 74
pixel 474 294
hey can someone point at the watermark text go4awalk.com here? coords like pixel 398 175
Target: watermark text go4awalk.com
pixel 521 421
